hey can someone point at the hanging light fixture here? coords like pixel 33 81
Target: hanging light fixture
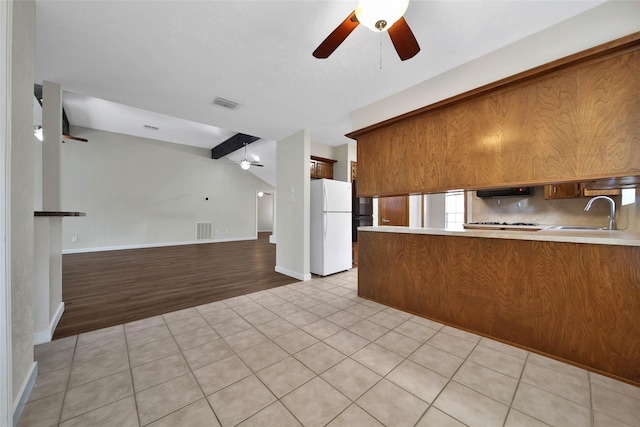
pixel 380 15
pixel 245 164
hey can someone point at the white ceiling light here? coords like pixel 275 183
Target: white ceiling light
pixel 380 15
pixel 245 164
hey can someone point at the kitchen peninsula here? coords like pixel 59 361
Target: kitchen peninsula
pixel 571 295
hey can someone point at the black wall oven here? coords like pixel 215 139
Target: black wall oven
pixel 362 211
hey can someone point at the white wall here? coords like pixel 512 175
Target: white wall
pixel 292 205
pixel 21 198
pixel 598 25
pixel 345 154
pixel 322 150
pixel 137 191
pixel 434 210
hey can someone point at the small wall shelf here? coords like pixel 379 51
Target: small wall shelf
pixel 57 213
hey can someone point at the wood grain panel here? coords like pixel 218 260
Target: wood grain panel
pixel 576 302
pixel 102 289
pixel 575 121
pixel 542 135
pixel 400 157
pixel 610 116
pixel 475 134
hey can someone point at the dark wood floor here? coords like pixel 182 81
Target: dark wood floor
pixel 101 289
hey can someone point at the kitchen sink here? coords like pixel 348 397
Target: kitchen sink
pixel 576 228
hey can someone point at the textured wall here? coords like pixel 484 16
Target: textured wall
pixel 22 188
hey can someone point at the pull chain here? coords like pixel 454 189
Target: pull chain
pixel 381 50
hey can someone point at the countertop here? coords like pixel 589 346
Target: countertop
pixel 596 237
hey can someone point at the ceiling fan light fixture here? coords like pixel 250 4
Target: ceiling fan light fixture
pixel 380 15
pixel 245 164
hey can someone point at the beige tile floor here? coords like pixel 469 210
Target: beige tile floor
pixel 313 354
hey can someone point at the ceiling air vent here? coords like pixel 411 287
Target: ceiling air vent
pixel 227 103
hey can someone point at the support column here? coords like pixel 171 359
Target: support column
pixel 47 296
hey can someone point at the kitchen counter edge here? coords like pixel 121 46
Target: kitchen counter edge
pixel 600 237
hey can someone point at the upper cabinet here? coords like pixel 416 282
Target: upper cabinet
pixel 561 191
pixel 576 119
pixel 573 190
pixel 321 168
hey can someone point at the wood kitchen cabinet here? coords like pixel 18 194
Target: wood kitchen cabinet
pixel 574 190
pixel 562 191
pixel 586 192
pixel 577 118
pixel 320 167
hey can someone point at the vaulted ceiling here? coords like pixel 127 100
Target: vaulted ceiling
pixel 127 64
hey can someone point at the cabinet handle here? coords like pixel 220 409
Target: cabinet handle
pixel 555 190
pixel 384 220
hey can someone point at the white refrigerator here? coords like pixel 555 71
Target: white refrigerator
pixel 330 226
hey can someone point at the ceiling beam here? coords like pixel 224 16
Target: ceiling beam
pixel 232 144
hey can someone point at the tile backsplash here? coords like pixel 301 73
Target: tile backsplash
pixel 536 209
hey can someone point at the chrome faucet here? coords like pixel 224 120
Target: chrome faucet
pixel 612 215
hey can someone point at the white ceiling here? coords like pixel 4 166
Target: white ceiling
pixel 126 64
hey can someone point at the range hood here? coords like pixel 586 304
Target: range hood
pixel 505 192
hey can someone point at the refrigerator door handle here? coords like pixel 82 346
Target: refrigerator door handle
pixel 324 197
pixel 324 217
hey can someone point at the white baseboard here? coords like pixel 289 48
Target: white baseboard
pixel 154 245
pixel 25 392
pixel 292 273
pixel 42 337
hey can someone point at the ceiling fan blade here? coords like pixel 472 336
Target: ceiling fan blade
pixel 403 40
pixel 260 165
pixel 336 38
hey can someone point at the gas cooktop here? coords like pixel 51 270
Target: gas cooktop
pixel 491 225
pixel 502 223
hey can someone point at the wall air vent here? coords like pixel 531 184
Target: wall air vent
pixel 227 103
pixel 151 127
pixel 203 230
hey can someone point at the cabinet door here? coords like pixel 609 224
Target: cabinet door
pixel 561 191
pixel 393 211
pixel 324 170
pixel 312 169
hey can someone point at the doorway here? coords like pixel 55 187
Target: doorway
pixel 393 211
pixel 265 211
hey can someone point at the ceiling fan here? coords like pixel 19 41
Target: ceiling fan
pixel 246 164
pixel 377 15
